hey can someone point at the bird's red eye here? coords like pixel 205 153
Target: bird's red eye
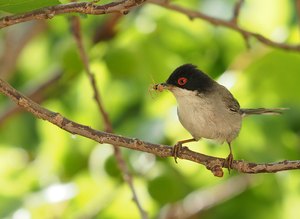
pixel 182 81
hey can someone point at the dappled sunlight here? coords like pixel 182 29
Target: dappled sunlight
pixel 46 172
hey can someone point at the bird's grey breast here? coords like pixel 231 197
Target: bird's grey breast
pixel 207 116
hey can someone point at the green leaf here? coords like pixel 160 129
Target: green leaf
pixel 19 6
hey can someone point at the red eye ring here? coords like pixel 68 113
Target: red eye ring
pixel 182 81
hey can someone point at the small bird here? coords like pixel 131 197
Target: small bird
pixel 207 109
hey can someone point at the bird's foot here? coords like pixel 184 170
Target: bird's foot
pixel 229 161
pixel 176 150
pixel 178 147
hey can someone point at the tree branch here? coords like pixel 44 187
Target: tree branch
pixel 215 164
pixel 229 24
pixel 127 177
pixel 125 6
pixel 107 30
pixel 122 7
pixel 103 31
pixel 38 95
pixel 237 10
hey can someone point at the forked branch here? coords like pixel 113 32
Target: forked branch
pixel 125 6
pixel 127 177
pixel 231 24
pixel 122 7
pixel 215 164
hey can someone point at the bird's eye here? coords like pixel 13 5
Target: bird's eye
pixel 182 81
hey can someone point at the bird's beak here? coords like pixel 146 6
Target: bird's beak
pixel 161 86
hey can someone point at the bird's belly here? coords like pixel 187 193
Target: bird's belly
pixel 204 122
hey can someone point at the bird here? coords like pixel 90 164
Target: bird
pixel 207 109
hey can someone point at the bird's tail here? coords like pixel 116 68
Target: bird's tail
pixel 263 111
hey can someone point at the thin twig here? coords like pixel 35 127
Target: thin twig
pixel 107 29
pixel 235 17
pixel 214 164
pixel 229 24
pixel 76 28
pixel 38 94
pixel 125 6
pixel 122 7
pixel 236 11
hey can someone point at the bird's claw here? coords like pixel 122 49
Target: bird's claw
pixel 176 150
pixel 229 161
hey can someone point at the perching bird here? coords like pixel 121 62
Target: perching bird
pixel 205 108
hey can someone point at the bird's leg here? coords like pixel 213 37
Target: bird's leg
pixel 177 147
pixel 229 159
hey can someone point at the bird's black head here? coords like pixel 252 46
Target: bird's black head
pixel 189 77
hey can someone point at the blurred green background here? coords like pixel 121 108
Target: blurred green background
pixel 46 172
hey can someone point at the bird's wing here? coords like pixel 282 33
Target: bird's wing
pixel 230 102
